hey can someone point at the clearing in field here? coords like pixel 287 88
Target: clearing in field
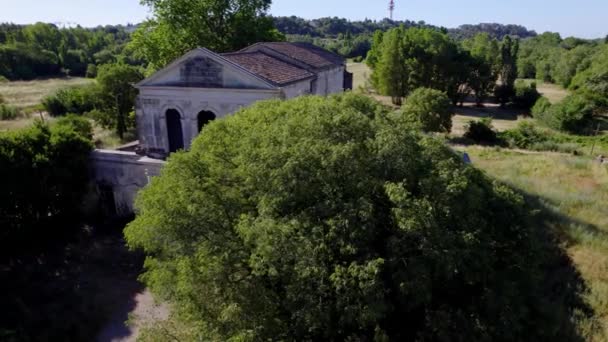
pixel 24 94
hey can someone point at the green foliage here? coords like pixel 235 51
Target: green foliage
pixel 524 136
pixel 541 107
pixel 77 100
pixel 526 95
pixel 182 25
pixel 43 50
pixel 572 115
pixel 43 175
pixel 406 59
pixel 429 109
pixel 117 95
pixel 91 71
pixel 507 71
pixel 77 123
pixel 484 52
pixel 481 131
pixel 8 112
pixel 328 219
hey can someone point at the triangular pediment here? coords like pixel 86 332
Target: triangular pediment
pixel 202 68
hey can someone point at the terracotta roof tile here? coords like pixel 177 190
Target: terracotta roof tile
pixel 306 53
pixel 267 67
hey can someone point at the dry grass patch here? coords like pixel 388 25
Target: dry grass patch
pixel 23 94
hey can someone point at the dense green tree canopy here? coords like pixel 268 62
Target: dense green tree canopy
pixel 182 25
pixel 405 59
pixel 117 93
pixel 329 219
pixel 430 109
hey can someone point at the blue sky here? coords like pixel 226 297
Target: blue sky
pixel 581 18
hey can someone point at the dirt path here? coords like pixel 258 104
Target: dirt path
pixel 144 311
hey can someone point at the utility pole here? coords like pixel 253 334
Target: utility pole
pixel 391 8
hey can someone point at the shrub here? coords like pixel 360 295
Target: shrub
pixel 91 71
pixel 3 79
pixel 8 112
pixel 358 59
pixel 572 115
pixel 503 93
pixel 481 131
pixel 77 100
pixel 430 109
pixel 318 219
pixel 525 95
pixel 76 123
pixel 541 106
pixel 43 175
pixel 524 136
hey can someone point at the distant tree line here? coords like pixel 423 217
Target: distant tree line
pixel 354 38
pixel 45 50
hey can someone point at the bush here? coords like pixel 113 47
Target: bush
pixel 358 59
pixel 91 71
pixel 503 93
pixel 77 100
pixel 525 95
pixel 3 79
pixel 326 219
pixel 524 136
pixel 541 107
pixel 572 115
pixel 43 176
pixel 481 131
pixel 8 112
pixel 430 109
pixel 78 124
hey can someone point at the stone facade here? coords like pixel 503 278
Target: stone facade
pixel 203 81
pixel 175 103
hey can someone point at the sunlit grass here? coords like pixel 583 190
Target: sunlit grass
pixel 24 94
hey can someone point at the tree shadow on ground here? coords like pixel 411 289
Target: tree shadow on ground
pixel 562 289
pixel 68 291
pixel 490 110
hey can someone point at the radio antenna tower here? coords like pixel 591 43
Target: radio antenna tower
pixel 391 8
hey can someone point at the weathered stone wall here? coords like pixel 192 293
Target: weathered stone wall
pixel 330 81
pixel 118 176
pixel 153 103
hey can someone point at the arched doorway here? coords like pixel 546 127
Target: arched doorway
pixel 174 130
pixel 204 117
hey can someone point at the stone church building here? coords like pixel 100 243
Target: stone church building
pixel 176 102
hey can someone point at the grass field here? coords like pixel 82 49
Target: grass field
pixel 24 94
pixel 28 94
pixel 574 189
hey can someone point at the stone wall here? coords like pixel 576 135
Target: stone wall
pixel 118 176
pixel 153 103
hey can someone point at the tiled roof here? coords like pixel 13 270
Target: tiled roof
pixel 306 53
pixel 267 67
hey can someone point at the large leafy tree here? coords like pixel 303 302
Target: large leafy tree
pixel 407 59
pixel 219 25
pixel 507 70
pixel 327 219
pixel 391 76
pixel 115 82
pixel 485 66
